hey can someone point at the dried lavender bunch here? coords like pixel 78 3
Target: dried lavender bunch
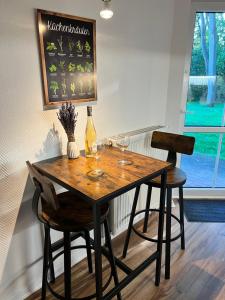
pixel 68 119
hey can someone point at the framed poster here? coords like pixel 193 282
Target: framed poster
pixel 68 58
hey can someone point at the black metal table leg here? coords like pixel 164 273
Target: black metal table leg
pixel 168 233
pixel 160 227
pixel 112 260
pixel 149 194
pixel 131 221
pixel 97 247
pixel 181 203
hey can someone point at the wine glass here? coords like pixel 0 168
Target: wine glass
pixel 96 172
pixel 123 144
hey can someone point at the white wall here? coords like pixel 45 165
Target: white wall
pixel 180 44
pixel 133 61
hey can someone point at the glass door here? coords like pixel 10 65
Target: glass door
pixel 205 104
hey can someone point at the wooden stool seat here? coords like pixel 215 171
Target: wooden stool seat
pixel 175 178
pixel 73 214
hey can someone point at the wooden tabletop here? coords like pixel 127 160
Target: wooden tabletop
pixel 117 179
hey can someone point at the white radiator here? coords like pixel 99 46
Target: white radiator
pixel 120 209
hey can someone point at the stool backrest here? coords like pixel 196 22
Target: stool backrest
pixel 173 143
pixel 47 188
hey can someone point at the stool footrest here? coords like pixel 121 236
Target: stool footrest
pixel 58 296
pixel 152 239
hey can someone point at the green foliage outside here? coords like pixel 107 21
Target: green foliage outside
pixel 202 115
pixel 198 113
pixel 207 143
pixel 197 62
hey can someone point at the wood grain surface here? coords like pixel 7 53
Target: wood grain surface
pixel 73 174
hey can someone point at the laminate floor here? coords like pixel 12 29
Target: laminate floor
pixel 198 273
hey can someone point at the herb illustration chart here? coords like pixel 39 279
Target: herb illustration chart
pixel 68 57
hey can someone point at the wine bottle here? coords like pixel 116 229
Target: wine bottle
pixel 90 134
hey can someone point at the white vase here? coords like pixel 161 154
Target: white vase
pixel 73 150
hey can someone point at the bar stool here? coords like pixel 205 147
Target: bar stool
pixel 176 178
pixel 66 213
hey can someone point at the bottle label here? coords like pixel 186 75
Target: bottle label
pixel 89 111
